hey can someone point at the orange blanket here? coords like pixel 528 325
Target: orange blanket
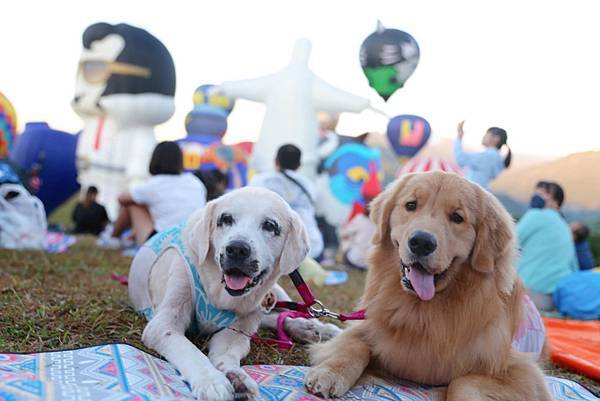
pixel 575 344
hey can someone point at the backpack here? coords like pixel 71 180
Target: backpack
pixel 8 174
pixel 577 295
pixel 22 219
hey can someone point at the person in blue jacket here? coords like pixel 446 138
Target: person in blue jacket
pixel 581 232
pixel 482 167
pixel 547 251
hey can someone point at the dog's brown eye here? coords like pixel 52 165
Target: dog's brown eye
pixel 271 227
pixel 225 219
pixel 456 218
pixel 411 206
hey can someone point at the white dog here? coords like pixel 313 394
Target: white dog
pixel 212 274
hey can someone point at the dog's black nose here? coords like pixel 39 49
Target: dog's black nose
pixel 238 250
pixel 422 243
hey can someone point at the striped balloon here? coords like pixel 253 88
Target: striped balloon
pixel 8 126
pixel 429 163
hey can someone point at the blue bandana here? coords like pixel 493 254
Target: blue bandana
pixel 206 314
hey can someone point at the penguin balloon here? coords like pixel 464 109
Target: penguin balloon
pixel 388 58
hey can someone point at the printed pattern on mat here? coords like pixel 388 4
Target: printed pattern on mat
pixel 107 373
pixel 124 373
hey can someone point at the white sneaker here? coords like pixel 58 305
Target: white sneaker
pixel 109 243
pixel 127 240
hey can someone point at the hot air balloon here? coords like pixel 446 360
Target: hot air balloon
pixel 429 163
pixel 388 58
pixel 121 94
pixel 343 178
pixel 8 126
pixel 407 134
pixel 209 115
pixel 292 96
pixel 202 147
pixel 48 157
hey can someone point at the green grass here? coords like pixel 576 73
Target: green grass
pixel 50 302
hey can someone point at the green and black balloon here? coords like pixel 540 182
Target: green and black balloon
pixel 388 58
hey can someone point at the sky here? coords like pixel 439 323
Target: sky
pixel 531 67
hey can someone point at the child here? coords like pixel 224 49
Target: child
pixel 483 167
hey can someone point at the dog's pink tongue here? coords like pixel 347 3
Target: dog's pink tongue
pixel 236 282
pixel 422 282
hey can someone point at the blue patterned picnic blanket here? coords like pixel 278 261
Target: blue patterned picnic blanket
pixel 121 372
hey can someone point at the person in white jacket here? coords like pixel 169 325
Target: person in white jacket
pixel 295 189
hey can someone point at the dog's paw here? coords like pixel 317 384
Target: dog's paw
pixel 268 302
pixel 310 330
pixel 244 386
pixel 323 382
pixel 213 387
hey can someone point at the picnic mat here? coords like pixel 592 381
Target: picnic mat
pixel 575 344
pixel 59 242
pixel 118 372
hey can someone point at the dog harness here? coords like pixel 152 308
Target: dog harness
pixel 208 319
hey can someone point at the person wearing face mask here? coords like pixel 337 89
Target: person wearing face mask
pixel 547 251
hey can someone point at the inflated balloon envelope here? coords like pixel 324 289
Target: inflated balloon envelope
pixel 52 154
pixel 125 86
pixel 206 125
pixel 345 173
pixel 210 112
pixel 408 134
pixel 388 58
pixel 292 97
pixel 8 126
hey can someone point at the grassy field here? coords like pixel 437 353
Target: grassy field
pixel 50 302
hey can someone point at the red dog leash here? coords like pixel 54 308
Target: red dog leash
pixel 310 308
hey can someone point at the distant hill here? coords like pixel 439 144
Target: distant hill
pixel 578 174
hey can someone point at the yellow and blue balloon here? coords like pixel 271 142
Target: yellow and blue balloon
pixel 209 115
pixel 408 134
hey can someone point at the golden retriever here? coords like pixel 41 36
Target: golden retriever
pixel 442 298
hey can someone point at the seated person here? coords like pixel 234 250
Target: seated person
pixel 547 252
pixel 164 200
pixel 357 232
pixel 582 247
pixel 215 182
pixel 355 241
pixel 89 216
pixel 296 190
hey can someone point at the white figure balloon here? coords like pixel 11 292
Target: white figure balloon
pixel 125 86
pixel 292 98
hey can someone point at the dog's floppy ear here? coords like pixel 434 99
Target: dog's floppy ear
pixel 296 245
pixel 381 208
pixel 198 231
pixel 495 245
